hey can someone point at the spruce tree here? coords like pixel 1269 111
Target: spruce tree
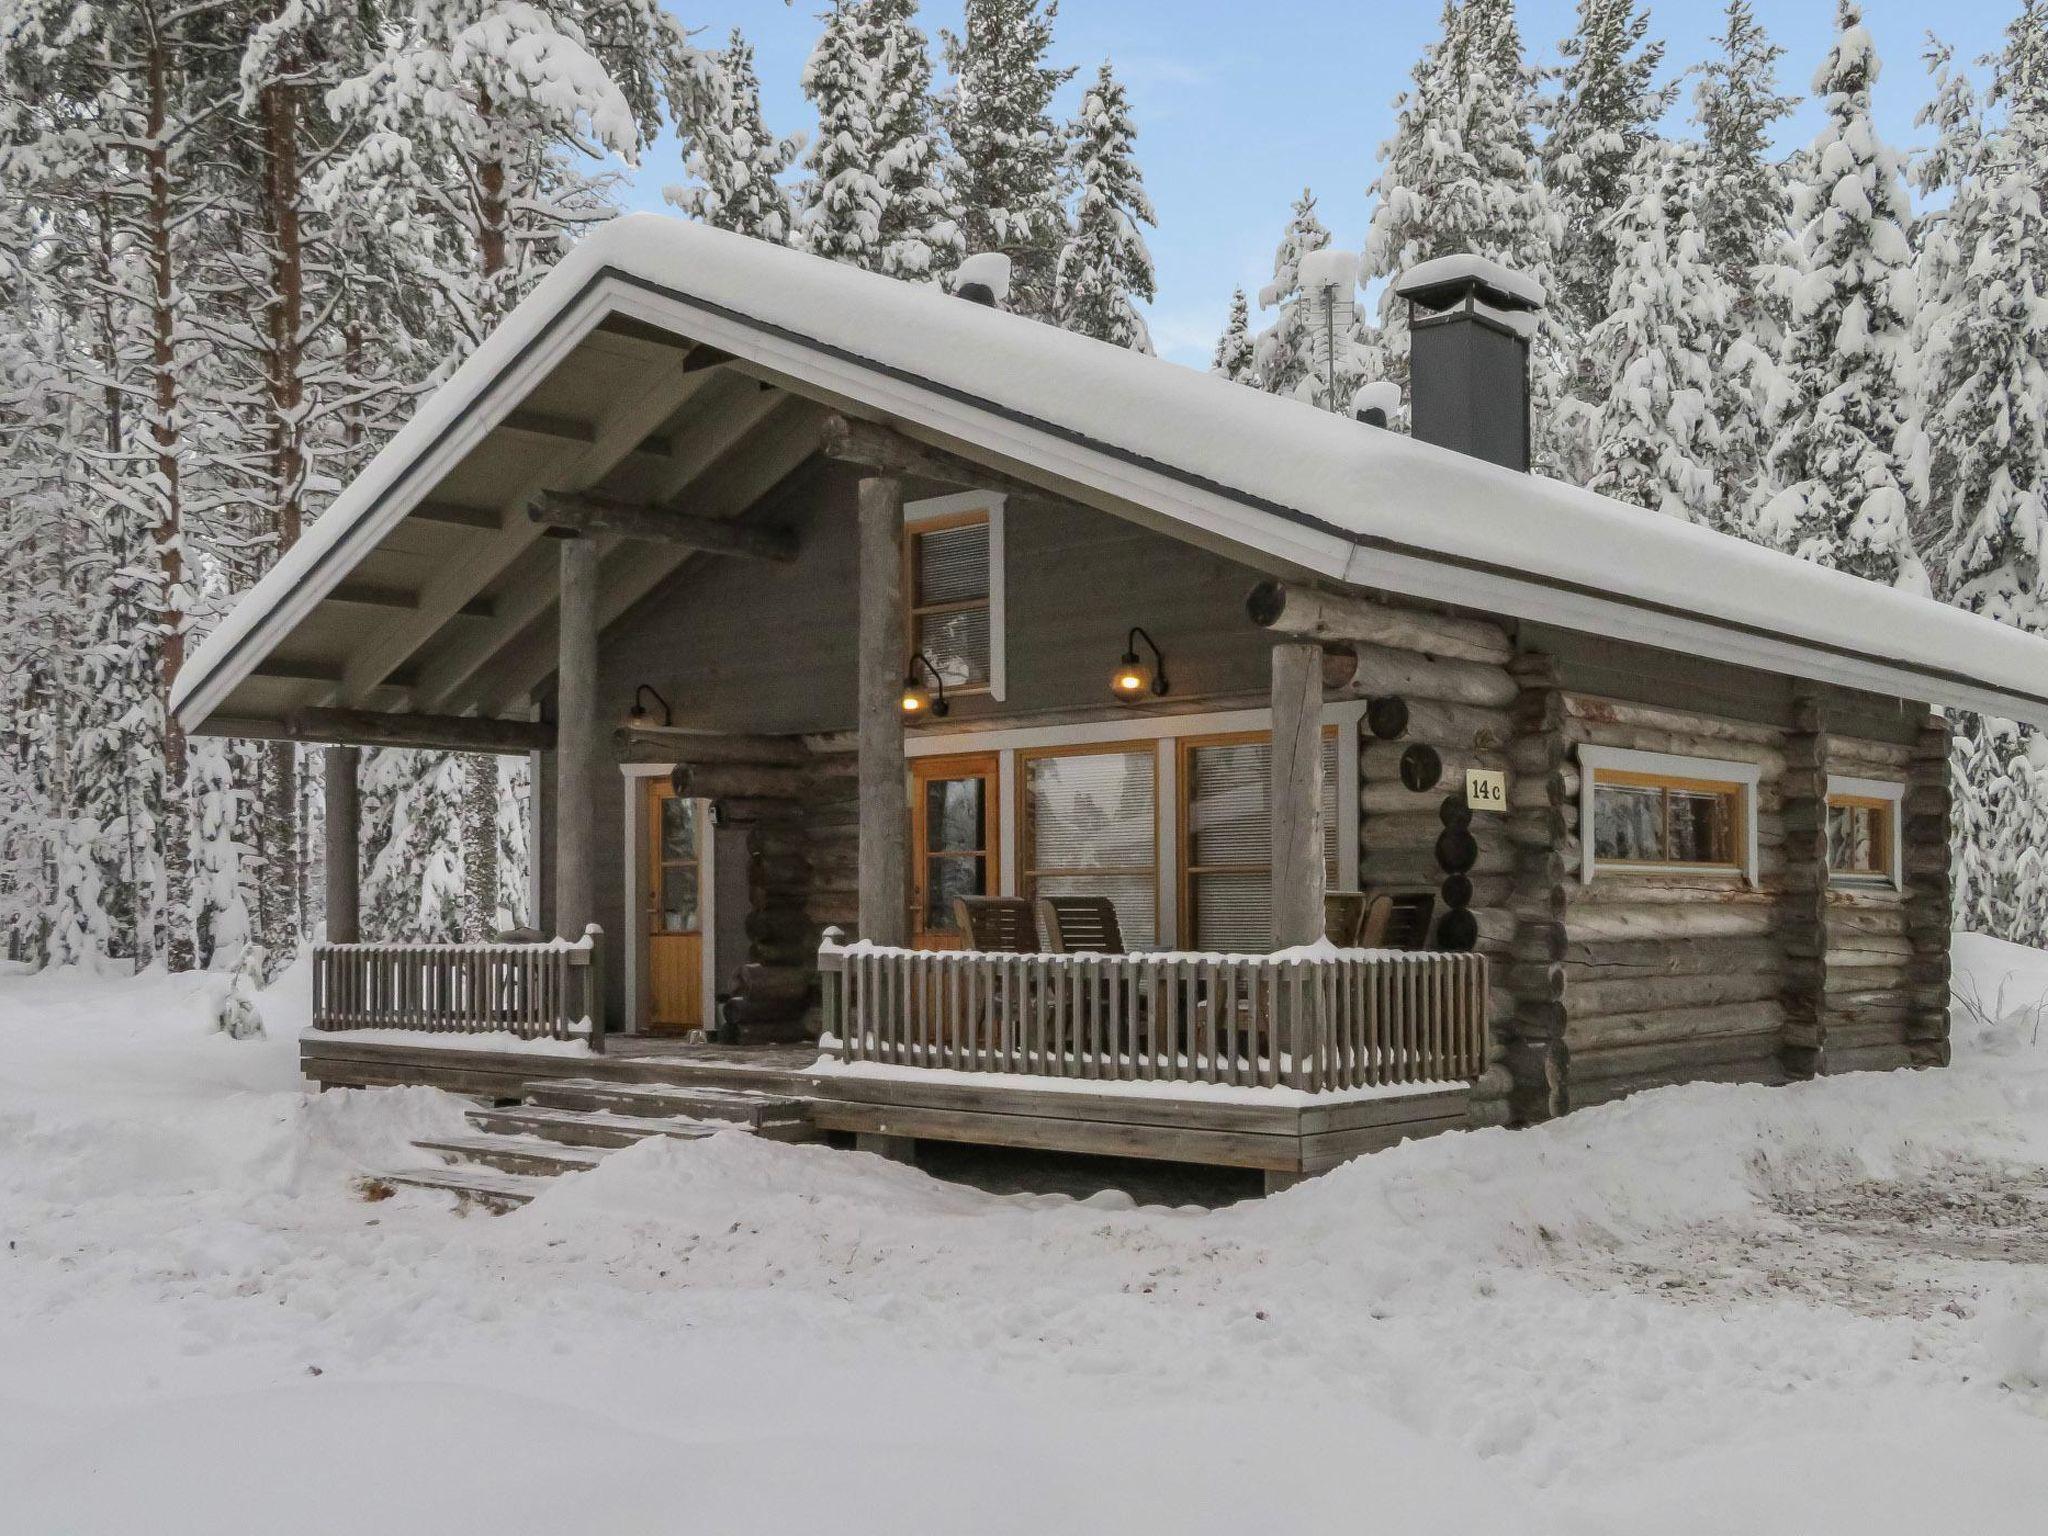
pixel 841 217
pixel 1236 358
pixel 1657 436
pixel 1744 217
pixel 733 160
pixel 1605 110
pixel 921 234
pixel 1844 496
pixel 1104 267
pixel 1006 151
pixel 1282 349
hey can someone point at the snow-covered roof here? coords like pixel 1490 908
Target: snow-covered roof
pixel 1288 488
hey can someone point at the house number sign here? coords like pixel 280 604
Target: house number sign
pixel 1486 789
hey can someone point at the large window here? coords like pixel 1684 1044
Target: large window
pixel 1226 839
pixel 1863 829
pixel 1652 812
pixel 948 588
pixel 1089 826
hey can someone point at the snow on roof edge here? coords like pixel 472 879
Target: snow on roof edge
pixel 1368 487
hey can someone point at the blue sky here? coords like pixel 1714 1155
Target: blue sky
pixel 1242 103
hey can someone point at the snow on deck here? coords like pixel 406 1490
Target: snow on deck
pixel 1787 1312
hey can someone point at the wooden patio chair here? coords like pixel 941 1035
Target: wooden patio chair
pixel 1379 915
pixel 1080 925
pixel 997 925
pixel 1343 917
pixel 1408 920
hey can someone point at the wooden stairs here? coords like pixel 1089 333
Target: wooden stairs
pixel 570 1125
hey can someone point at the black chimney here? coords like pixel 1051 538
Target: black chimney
pixel 1469 324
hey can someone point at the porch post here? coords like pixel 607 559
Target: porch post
pixel 577 742
pixel 1297 794
pixel 884 822
pixel 344 844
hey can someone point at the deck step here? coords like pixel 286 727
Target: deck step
pixel 517 1154
pixel 487 1187
pixel 589 1127
pixel 662 1101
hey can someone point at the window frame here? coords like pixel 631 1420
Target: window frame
pixel 1889 796
pixel 1625 766
pixel 1028 873
pixel 1185 868
pixel 937 514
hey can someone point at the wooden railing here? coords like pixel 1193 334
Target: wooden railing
pixel 553 990
pixel 1342 1019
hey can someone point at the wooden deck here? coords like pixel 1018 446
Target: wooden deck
pixel 1291 1136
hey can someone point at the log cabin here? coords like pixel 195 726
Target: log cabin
pixel 820 600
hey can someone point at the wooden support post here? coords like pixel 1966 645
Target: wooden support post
pixel 578 743
pixel 884 819
pixel 1297 794
pixel 344 845
pixel 1803 910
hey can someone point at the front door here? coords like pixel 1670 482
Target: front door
pixel 675 909
pixel 953 838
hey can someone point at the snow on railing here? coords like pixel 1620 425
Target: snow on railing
pixel 1314 1018
pixel 553 989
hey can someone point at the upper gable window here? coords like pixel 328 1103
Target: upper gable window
pixel 953 590
pixel 1655 813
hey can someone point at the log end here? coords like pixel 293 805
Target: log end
pixel 1266 602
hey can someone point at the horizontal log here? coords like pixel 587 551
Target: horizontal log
pixel 1623 888
pixel 437 733
pixel 1619 959
pixel 1644 739
pixel 1312 614
pixel 1373 671
pixel 1718 921
pixel 745 781
pixel 662 744
pixel 1673 1040
pixel 1846 754
pixel 588 512
pixel 1379 762
pixel 871 446
pixel 1593 999
pixel 1618 712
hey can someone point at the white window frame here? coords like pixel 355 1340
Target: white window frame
pixel 1893 793
pixel 1165 733
pixel 993 503
pixel 1593 759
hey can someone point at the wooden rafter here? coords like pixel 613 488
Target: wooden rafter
pixel 587 512
pixel 441 733
pixel 545 424
pixel 887 451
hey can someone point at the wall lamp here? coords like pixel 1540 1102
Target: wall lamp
pixel 637 715
pixel 919 700
pixel 1132 679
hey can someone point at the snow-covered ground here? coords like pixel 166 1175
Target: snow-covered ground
pixel 1707 1309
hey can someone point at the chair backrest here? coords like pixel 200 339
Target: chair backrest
pixel 1343 912
pixel 1408 919
pixel 1000 925
pixel 1080 925
pixel 1372 929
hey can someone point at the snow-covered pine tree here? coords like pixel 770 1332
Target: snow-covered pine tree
pixel 922 239
pixel 1744 215
pixel 1606 108
pixel 733 160
pixel 1657 436
pixel 1843 496
pixel 1006 154
pixel 1282 349
pixel 1236 357
pixel 841 213
pixel 1104 267
pixel 1459 175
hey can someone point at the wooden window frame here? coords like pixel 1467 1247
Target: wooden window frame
pixel 1186 870
pixel 938 514
pixel 957 765
pixel 1622 766
pixel 1027 875
pixel 1889 797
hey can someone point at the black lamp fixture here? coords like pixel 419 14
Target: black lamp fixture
pixel 918 700
pixel 1132 679
pixel 637 715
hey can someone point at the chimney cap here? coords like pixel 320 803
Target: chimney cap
pixel 1439 284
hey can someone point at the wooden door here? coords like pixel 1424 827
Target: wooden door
pixel 953 842
pixel 675 909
